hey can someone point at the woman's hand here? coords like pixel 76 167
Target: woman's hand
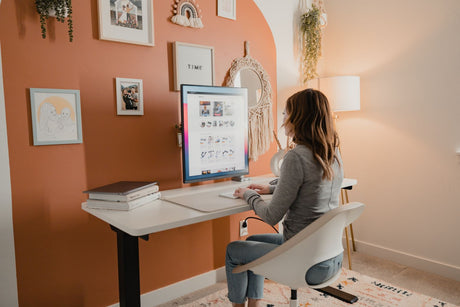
pixel 240 192
pixel 259 188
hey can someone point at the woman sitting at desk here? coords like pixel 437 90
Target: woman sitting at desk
pixel 309 184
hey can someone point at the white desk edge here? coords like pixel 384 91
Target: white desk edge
pixel 162 215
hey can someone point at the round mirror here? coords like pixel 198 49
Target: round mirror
pixel 250 79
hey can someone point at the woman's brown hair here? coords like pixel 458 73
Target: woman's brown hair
pixel 310 117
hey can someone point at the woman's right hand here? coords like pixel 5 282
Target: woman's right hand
pixel 259 188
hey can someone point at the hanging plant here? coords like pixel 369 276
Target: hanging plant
pixel 61 9
pixel 310 28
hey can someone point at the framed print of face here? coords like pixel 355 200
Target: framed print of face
pixel 56 116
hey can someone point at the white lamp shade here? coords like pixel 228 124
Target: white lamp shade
pixel 343 92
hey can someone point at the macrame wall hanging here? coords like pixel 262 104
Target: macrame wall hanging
pixel 260 111
pixel 312 21
pixel 187 14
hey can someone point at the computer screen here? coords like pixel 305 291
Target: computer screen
pixel 215 132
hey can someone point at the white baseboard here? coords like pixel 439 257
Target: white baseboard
pixel 423 264
pixel 181 288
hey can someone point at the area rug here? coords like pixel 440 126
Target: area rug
pixel 370 292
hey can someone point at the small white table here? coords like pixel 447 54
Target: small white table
pixel 162 215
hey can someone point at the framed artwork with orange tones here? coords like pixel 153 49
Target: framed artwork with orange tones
pixel 226 9
pixel 126 21
pixel 56 116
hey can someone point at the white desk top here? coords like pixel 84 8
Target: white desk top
pixel 162 215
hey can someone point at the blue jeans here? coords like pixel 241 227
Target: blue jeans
pixel 249 285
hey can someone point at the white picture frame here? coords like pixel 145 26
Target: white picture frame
pixel 126 21
pixel 56 116
pixel 193 64
pixel 130 96
pixel 226 9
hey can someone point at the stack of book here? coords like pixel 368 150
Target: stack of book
pixel 122 195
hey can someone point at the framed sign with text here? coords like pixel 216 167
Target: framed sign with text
pixel 193 64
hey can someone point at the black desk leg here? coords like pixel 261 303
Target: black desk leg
pixel 128 269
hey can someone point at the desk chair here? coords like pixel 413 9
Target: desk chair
pixel 289 263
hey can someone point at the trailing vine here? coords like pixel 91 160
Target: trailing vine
pixel 311 33
pixel 63 11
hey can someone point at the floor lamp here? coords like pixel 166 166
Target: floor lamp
pixel 343 93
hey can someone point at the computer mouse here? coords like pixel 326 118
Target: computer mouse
pixel 274 182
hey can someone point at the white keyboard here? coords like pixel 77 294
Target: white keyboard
pixel 228 194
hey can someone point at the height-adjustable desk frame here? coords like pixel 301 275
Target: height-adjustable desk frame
pixel 158 216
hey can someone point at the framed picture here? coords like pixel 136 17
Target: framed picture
pixel 193 64
pixel 127 21
pixel 130 96
pixel 56 116
pixel 226 9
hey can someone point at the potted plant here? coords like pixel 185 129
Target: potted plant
pixel 310 28
pixel 61 9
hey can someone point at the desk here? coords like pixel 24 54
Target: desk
pixel 158 216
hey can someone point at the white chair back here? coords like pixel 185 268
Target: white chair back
pixel 319 241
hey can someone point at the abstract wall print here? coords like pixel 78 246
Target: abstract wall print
pixel 226 9
pixel 187 14
pixel 193 64
pixel 130 96
pixel 56 116
pixel 127 21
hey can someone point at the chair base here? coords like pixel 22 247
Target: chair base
pixel 338 294
pixel 293 301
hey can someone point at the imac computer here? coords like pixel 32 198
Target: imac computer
pixel 215 132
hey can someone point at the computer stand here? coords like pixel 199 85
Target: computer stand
pixel 241 178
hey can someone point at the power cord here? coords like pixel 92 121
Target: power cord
pixel 245 223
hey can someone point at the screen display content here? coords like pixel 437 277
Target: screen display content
pixel 215 132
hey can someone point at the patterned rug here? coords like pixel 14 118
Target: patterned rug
pixel 370 292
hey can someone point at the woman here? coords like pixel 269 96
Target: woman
pixel 308 186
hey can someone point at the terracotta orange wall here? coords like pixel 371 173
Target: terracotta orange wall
pixel 63 255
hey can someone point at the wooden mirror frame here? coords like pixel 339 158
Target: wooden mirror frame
pixel 260 115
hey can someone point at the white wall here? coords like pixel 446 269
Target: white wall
pixel 281 16
pixel 401 145
pixel 8 285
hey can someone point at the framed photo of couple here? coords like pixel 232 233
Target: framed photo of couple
pixel 130 96
pixel 126 21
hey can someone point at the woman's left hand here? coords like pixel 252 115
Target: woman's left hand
pixel 240 192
